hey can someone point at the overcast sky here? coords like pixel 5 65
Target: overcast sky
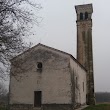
pixel 58 30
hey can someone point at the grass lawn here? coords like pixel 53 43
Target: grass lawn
pixel 98 107
pixel 3 108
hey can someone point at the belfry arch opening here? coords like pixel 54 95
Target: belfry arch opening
pixel 86 15
pixel 81 16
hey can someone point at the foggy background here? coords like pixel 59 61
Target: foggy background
pixel 57 29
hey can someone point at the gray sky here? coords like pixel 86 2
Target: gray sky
pixel 58 30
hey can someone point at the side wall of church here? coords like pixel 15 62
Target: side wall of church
pixel 78 83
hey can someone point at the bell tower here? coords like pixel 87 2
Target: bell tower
pixel 84 46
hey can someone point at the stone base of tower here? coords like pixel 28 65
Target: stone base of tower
pixel 91 100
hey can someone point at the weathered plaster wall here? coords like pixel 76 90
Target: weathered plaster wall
pixel 82 41
pixel 54 81
pixel 79 77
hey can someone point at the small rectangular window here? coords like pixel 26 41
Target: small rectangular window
pixel 37 98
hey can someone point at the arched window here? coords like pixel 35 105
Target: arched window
pixel 81 16
pixel 86 15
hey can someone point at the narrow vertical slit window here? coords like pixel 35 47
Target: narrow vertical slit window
pixel 76 82
pixel 84 35
pixel 83 86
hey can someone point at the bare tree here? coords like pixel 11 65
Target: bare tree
pixel 3 90
pixel 14 20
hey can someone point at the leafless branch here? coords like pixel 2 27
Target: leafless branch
pixel 14 20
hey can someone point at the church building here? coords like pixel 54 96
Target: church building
pixel 44 78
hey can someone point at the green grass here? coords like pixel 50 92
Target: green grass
pixel 95 107
pixel 3 108
pixel 98 107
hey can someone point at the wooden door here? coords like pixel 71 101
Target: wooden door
pixel 37 98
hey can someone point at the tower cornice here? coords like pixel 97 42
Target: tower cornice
pixel 83 8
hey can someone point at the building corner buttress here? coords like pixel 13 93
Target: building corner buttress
pixel 84 46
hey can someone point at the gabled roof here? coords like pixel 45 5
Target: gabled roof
pixel 50 49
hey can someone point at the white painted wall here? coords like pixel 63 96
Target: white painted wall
pixel 80 73
pixel 54 81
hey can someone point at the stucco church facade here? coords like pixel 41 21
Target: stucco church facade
pixel 44 78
